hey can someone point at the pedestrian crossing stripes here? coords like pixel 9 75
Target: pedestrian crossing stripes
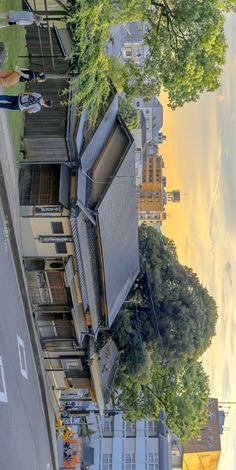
pixel 22 357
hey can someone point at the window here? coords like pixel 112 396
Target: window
pixel 129 461
pixel 39 185
pixel 152 428
pixel 61 247
pixel 130 428
pixel 152 461
pixel 107 462
pixel 47 287
pixel 56 283
pixel 108 426
pixel 57 227
pixel 128 53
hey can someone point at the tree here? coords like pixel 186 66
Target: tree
pixel 168 307
pixel 187 47
pixel 165 325
pixel 227 5
pixel 181 393
pixel 128 113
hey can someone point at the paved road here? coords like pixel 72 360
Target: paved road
pixel 23 434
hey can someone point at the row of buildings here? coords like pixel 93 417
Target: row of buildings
pixel 127 43
pixel 152 193
pixel 79 228
pixel 79 224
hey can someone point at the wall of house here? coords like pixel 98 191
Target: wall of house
pixel 33 227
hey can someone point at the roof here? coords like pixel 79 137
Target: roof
pixel 107 192
pixel 83 233
pixel 103 368
pixel 90 149
pixel 117 220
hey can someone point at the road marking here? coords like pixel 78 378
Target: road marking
pixel 3 394
pixel 21 349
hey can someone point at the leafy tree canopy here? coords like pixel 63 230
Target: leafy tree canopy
pixel 168 307
pixel 165 325
pixel 129 113
pixel 182 393
pixel 186 42
pixel 187 47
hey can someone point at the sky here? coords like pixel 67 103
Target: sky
pixel 200 160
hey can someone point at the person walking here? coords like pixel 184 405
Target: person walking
pixel 21 18
pixel 11 77
pixel 29 102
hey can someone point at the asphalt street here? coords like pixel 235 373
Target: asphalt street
pixel 24 441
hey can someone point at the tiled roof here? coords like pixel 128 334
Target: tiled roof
pixel 109 157
pixel 86 253
pixel 117 219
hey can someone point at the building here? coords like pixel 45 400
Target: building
pixel 79 237
pixel 142 445
pixel 127 42
pixel 161 137
pixel 140 141
pixel 153 113
pixel 152 196
pixel 203 452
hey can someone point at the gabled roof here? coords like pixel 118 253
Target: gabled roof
pixel 106 188
pixel 118 236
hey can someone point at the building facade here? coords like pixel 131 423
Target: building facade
pixel 153 113
pixel 140 141
pixel 203 452
pixel 142 445
pixel 152 196
pixel 73 191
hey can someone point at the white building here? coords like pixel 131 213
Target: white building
pixel 140 141
pixel 153 113
pixel 144 445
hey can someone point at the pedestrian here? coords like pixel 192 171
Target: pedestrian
pixel 11 77
pixel 29 102
pixel 21 18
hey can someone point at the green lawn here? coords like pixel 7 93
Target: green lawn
pixel 14 39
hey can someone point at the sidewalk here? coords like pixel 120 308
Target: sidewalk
pixel 9 198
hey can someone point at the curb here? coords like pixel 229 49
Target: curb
pixel 28 312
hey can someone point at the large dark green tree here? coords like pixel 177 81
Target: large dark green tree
pixel 165 325
pixel 168 306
